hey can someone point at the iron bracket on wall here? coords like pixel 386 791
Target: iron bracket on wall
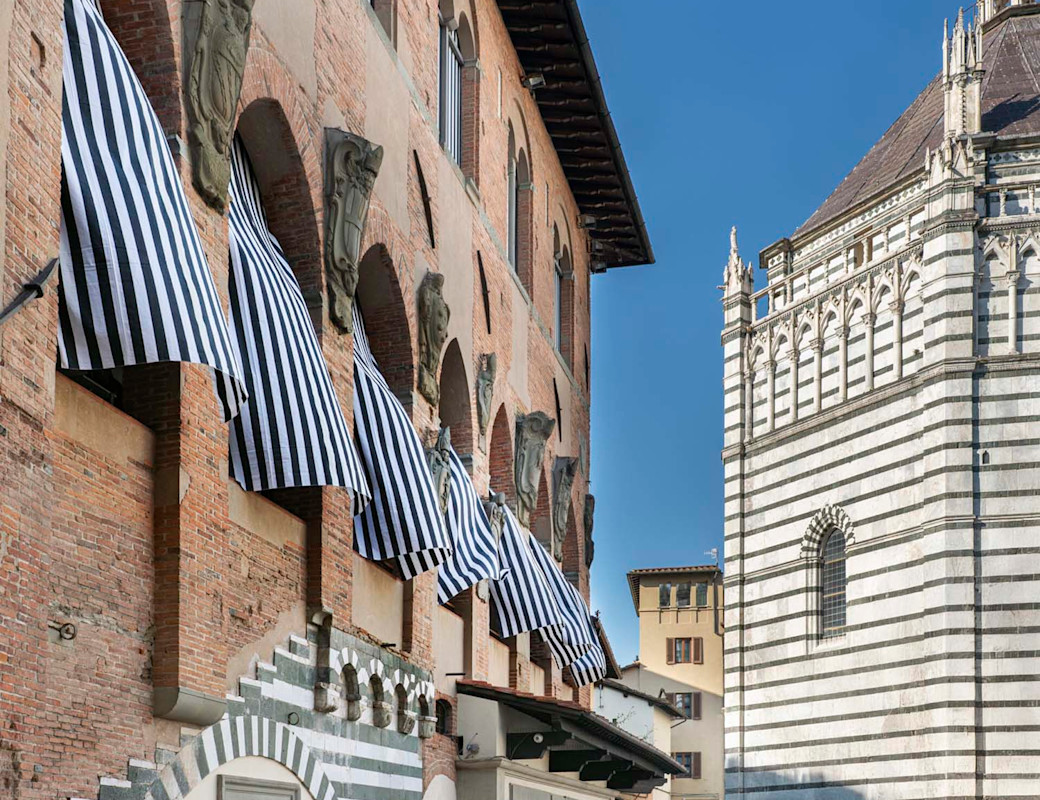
pixel 33 290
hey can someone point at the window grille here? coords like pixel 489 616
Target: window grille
pixel 832 586
pixel 451 93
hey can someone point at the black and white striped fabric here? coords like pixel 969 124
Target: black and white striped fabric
pixel 590 668
pixel 403 521
pixel 574 636
pixel 474 547
pixel 522 600
pixel 135 284
pixel 291 431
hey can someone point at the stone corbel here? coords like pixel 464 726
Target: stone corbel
pixel 427 727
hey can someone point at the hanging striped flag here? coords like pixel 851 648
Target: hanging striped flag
pixel 291 431
pixel 135 284
pixel 522 600
pixel 475 549
pixel 404 519
pixel 574 636
pixel 590 668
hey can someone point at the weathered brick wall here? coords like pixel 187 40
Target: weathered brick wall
pixel 165 588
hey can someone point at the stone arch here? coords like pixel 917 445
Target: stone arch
pixel 455 408
pixel 351 692
pixel 828 518
pixel 149 34
pixel 500 456
pixel 563 296
pixel 405 715
pixel 267 739
pixel 380 299
pixel 287 186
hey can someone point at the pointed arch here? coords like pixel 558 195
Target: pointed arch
pixel 500 456
pixel 455 408
pixel 380 298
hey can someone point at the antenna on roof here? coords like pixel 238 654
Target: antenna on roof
pixel 714 553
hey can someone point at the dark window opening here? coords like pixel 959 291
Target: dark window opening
pixel 682 594
pixel 832 586
pixel 443 725
pixel 664 595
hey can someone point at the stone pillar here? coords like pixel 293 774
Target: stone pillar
pixel 1012 299
pixel 817 347
pixel 843 363
pixel 749 405
pixel 869 320
pixel 770 395
pixel 897 337
pixel 793 355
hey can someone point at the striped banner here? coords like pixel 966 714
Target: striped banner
pixel 522 600
pixel 135 284
pixel 475 549
pixel 291 432
pixel 574 636
pixel 404 519
pixel 590 668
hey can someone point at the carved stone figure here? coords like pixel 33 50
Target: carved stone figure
pixel 351 166
pixel 583 455
pixel 495 508
pixel 485 390
pixel 590 514
pixel 433 331
pixel 438 457
pixel 532 432
pixel 564 471
pixel 214 86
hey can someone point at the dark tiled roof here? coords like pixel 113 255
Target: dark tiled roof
pixel 660 702
pixel 551 710
pixel 1010 107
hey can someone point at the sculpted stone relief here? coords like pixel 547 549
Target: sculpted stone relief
pixel 214 86
pixel 532 432
pixel 564 471
pixel 590 513
pixel 351 166
pixel 433 332
pixel 485 390
pixel 438 458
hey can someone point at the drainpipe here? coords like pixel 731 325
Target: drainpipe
pixel 715 601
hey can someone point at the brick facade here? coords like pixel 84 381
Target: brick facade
pixel 123 522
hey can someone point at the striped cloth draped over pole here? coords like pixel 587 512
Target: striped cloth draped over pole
pixel 403 521
pixel 135 284
pixel 475 549
pixel 574 636
pixel 291 432
pixel 522 600
pixel 590 668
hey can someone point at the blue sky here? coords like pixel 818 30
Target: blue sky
pixel 744 113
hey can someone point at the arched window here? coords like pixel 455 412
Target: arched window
pixel 351 693
pixel 518 207
pixel 832 586
pixel 450 72
pixel 443 708
pixel 512 201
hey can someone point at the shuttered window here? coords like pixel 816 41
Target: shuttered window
pixel 678 651
pixel 685 760
pixel 696 709
pixel 695 766
pixel 698 650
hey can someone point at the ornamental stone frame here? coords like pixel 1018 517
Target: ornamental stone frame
pixel 214 85
pixel 351 167
pixel 532 432
pixel 564 471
